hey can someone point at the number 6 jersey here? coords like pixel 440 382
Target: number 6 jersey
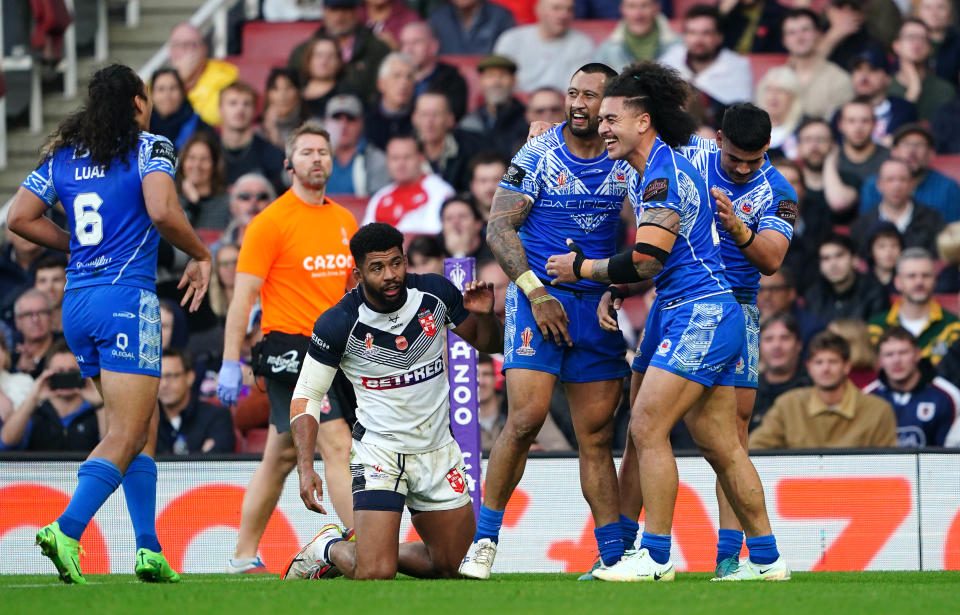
pixel 112 239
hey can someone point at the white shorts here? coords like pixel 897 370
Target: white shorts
pixel 385 480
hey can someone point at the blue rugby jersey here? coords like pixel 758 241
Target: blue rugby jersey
pixel 694 269
pixel 112 239
pixel 765 201
pixel 572 197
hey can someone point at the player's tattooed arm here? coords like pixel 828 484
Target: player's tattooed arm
pixel 507 213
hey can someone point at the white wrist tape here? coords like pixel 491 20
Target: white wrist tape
pixel 312 385
pixel 528 282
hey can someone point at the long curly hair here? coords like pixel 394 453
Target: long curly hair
pixel 660 91
pixel 106 126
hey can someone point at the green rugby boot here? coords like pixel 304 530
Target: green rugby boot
pixel 63 551
pixel 152 567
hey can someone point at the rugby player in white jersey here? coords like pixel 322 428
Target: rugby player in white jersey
pixel 386 336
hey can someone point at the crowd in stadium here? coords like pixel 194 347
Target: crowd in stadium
pixel 862 96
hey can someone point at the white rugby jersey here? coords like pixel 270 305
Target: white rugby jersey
pixel 395 362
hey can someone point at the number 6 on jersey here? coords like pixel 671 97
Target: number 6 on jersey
pixel 88 224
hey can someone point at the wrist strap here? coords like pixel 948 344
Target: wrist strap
pixel 615 292
pixel 543 299
pixel 528 282
pixel 753 236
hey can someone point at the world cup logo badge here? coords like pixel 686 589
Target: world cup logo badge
pixel 526 336
pixel 458 276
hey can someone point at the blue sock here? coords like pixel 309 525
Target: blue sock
pixel 657 545
pixel 488 525
pixel 729 544
pixel 609 543
pixel 628 531
pixel 763 549
pixel 98 478
pixel 140 491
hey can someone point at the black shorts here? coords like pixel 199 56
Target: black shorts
pixel 341 398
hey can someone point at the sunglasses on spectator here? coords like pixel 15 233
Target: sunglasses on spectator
pixel 344 116
pixel 246 196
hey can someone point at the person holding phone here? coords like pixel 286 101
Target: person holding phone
pixel 62 412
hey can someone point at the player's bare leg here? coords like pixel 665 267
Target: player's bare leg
pixel 728 519
pixel 263 492
pixel 631 498
pixel 333 441
pixel 446 536
pixel 130 406
pixel 592 406
pixel 375 551
pixel 528 397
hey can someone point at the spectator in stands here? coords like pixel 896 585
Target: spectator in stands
pixel 824 86
pixel 17 261
pixel 883 250
pixel 462 232
pixel 419 43
pixel 411 201
pixel 870 72
pixel 321 74
pixel 223 275
pixel 833 413
pixel 284 108
pixel 204 77
pixel 915 81
pixel 926 405
pixel 447 149
pixel 469 26
pixel 918 223
pixel 249 195
pixel 778 93
pixel 781 367
pixel 187 425
pixel 720 74
pixel 425 254
pixel 359 168
pixel 848 33
pixel 914 144
pixel 916 310
pixel 841 291
pixel 361 51
pixel 948 247
pixel 61 412
pixel 33 316
pixel 14 387
pixel 938 15
pixel 501 119
pixel 777 294
pixel 810 224
pixel 946 128
pixel 51 278
pixel 752 26
pixel 490 403
pixel 546 105
pixel 387 18
pixel 485 169
pixel 491 271
pixel 597 9
pixel 201 180
pixel 549 51
pixel 391 114
pixel 173 116
pixel 863 356
pixel 826 193
pixel 245 151
pixel 949 366
pixel 643 34
pixel 859 156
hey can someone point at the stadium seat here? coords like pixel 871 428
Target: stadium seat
pixel 597 29
pixel 760 63
pixel 255 440
pixel 272 42
pixel 209 236
pixel 948 164
pixel 949 301
pixel 636 309
pixel 356 204
pixel 467 65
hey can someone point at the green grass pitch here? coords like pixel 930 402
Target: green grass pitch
pixel 869 593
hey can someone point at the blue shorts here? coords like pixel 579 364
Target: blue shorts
pixel 700 340
pixel 595 355
pixel 113 327
pixel 748 365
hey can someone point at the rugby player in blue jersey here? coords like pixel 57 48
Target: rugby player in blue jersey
pixel 560 184
pixel 756 209
pixel 115 181
pixel 694 333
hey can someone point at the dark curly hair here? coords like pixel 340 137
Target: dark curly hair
pixel 660 91
pixel 106 126
pixel 374 237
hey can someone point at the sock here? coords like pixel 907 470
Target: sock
pixel 609 543
pixel 488 524
pixel 628 532
pixel 657 545
pixel 140 491
pixel 729 544
pixel 763 549
pixel 98 478
pixel 326 549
